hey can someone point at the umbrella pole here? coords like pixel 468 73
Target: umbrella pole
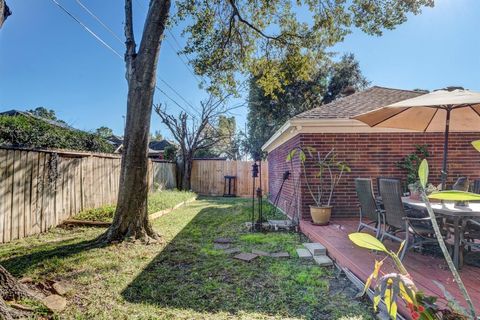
pixel 445 150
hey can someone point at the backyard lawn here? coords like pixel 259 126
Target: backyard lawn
pixel 157 201
pixel 185 277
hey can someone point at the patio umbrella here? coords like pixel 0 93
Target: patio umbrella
pixel 451 109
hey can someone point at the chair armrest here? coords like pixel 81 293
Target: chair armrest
pixel 475 222
pixel 417 219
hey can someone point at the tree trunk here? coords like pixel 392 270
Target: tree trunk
pixel 131 215
pixel 11 289
pixel 4 12
pixel 187 173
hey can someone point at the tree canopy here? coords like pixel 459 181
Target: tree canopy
pixel 230 36
pixel 104 132
pixel 268 112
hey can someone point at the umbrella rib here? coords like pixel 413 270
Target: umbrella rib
pixel 393 115
pixel 478 114
pixel 431 119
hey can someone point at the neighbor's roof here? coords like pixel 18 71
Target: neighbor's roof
pixel 158 145
pixel 358 103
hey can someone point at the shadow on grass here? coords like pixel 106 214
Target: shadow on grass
pixel 19 263
pixel 190 274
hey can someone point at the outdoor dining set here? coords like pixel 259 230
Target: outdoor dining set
pixel 391 215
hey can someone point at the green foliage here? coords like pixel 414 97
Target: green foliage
pixel 268 110
pixel 393 286
pixel 228 38
pixel 24 131
pixel 330 171
pixel 423 173
pixel 454 195
pixel 156 201
pixel 367 241
pixel 47 114
pixel 344 75
pixel 170 152
pixel 157 135
pixel 103 214
pixel 476 145
pixel 104 132
pixel 411 162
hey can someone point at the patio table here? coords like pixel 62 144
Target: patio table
pixel 456 213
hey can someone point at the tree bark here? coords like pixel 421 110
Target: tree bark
pixel 11 289
pixel 4 12
pixel 187 172
pixel 131 215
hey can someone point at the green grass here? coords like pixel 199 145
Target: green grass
pixel 157 201
pixel 185 277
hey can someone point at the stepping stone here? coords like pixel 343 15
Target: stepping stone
pixel 304 253
pixel 221 246
pixel 261 253
pixel 323 261
pixel 315 248
pixel 280 255
pixel 280 224
pixel 55 303
pixel 232 250
pixel 60 288
pixel 247 257
pixel 223 240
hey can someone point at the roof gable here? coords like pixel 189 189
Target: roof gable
pixel 358 103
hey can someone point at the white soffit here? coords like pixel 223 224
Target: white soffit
pixel 298 126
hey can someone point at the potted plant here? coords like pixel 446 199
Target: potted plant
pixel 329 171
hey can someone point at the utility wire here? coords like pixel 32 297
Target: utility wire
pixel 99 21
pixel 119 40
pixel 87 29
pixel 118 54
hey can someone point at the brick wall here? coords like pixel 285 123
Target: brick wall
pixel 276 168
pixel 373 155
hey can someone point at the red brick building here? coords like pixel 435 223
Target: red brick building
pixel 370 152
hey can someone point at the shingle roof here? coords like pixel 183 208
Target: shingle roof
pixel 358 103
pixel 158 145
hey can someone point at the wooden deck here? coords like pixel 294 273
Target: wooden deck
pixel 423 268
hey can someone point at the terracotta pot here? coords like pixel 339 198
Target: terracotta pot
pixel 321 215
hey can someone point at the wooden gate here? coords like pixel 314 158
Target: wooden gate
pixel 208 176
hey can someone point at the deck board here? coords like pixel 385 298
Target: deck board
pixel 423 268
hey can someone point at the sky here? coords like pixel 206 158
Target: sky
pixel 47 59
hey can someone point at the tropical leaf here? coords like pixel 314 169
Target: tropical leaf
pixel 367 241
pixel 302 156
pixel 402 244
pixel 476 145
pixel 423 173
pixel 455 195
pixel 374 275
pixel 452 302
pixel 291 154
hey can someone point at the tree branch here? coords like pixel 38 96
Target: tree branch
pixel 129 38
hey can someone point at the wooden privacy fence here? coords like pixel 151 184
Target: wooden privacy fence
pixel 40 189
pixel 208 176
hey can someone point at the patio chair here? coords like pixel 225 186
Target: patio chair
pixel 471 233
pixel 462 184
pixel 378 183
pixel 414 224
pixel 476 186
pixel 368 207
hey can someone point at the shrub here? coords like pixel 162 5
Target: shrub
pixel 24 131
